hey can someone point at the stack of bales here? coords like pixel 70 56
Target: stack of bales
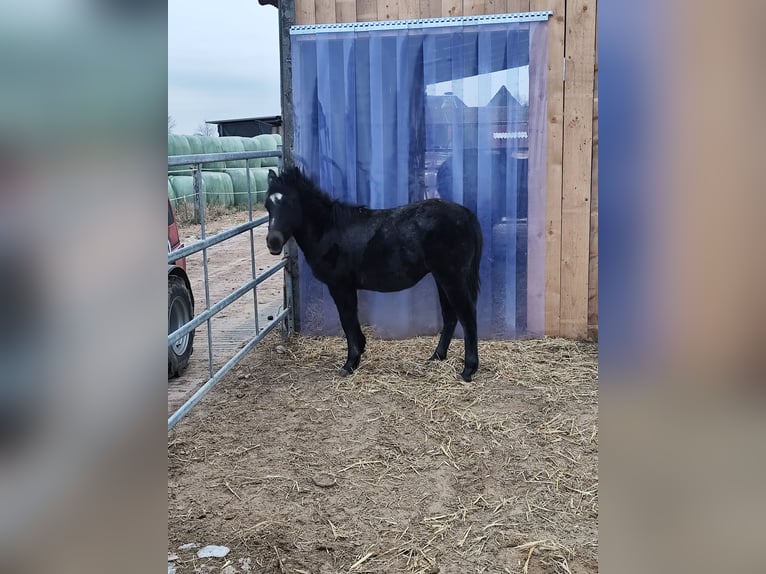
pixel 223 183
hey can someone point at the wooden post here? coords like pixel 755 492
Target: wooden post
pixel 287 19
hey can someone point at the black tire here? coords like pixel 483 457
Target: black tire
pixel 180 311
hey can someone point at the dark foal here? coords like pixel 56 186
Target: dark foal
pixel 350 247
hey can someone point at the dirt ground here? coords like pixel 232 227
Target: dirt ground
pixel 228 268
pixel 401 467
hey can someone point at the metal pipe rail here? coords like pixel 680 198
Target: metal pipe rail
pixel 227 156
pixel 204 389
pixel 223 303
pixel 198 246
pixel 285 316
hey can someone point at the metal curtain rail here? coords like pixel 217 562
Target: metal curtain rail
pixel 228 156
pixel 422 23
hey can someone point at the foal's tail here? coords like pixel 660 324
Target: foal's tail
pixel 474 280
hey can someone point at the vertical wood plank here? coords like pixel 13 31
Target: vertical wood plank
pixel 430 8
pixel 452 8
pixel 496 7
pixel 388 9
pixel 409 9
pixel 474 7
pixel 554 174
pixel 366 10
pixel 593 256
pixel 325 11
pixel 536 181
pixel 513 6
pixel 578 138
pixel 305 12
pixel 345 10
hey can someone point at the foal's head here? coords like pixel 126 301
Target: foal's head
pixel 285 214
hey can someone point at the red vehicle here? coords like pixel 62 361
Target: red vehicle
pixel 180 302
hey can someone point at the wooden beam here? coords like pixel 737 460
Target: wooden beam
pixel 345 10
pixel 325 11
pixel 366 10
pixel 580 45
pixel 305 12
pixel 554 174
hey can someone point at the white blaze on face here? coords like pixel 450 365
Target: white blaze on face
pixel 275 199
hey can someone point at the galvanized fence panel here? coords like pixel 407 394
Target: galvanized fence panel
pixel 285 317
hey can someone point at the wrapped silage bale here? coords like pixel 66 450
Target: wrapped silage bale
pixel 178 145
pixel 252 144
pixel 183 188
pixel 212 145
pixel 238 177
pixel 268 143
pixel 218 188
pixel 196 144
pixel 233 144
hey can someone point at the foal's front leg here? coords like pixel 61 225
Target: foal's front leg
pixel 346 302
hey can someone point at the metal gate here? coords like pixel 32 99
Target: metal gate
pixel 285 317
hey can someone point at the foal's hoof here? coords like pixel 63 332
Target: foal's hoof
pixel 344 373
pixel 437 357
pixel 466 375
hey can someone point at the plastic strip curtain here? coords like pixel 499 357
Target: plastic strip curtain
pixel 385 117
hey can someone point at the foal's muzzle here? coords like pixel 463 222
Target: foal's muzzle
pixel 275 241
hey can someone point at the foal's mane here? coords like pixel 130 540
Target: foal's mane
pixel 314 197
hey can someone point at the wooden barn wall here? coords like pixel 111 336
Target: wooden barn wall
pixel 571 288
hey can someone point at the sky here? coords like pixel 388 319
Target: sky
pixel 223 61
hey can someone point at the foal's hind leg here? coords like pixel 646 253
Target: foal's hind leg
pixel 467 316
pixel 464 307
pixel 346 302
pixel 448 330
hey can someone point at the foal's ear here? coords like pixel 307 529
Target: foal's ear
pixel 272 176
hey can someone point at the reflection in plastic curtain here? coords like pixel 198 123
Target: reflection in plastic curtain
pixel 386 117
